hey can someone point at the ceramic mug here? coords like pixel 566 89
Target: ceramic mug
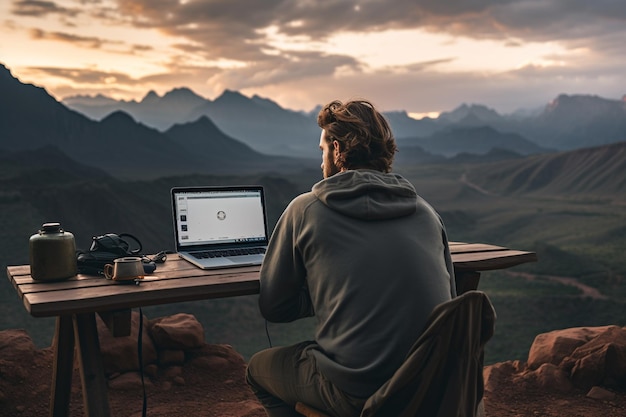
pixel 125 269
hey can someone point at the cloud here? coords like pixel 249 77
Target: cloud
pixel 87 41
pixel 281 48
pixel 40 8
pixel 90 42
pixel 224 30
pixel 538 19
pixel 296 66
pixel 85 76
pixel 237 29
pixel 73 81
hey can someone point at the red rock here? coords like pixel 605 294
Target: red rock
pixel 499 374
pixel 601 361
pixel 17 342
pixel 553 347
pixel 548 377
pixel 180 331
pixel 599 393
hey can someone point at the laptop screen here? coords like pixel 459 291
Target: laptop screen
pixel 205 216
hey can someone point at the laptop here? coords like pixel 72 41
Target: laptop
pixel 220 227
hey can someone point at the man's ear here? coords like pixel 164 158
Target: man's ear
pixel 336 147
pixel 336 154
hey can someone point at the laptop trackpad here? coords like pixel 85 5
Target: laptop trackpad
pixel 248 259
pixel 223 261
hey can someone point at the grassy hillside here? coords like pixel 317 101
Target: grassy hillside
pixel 596 171
pixel 577 235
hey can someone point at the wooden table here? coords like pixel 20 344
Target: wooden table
pixel 76 301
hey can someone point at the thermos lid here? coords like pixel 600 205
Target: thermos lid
pixel 51 228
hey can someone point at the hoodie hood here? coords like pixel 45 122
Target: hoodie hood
pixel 367 194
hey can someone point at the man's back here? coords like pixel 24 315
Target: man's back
pixel 373 253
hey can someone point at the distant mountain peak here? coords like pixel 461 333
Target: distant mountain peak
pixel 579 109
pixel 231 94
pixel 560 100
pixel 232 98
pixel 95 100
pixel 470 112
pixel 119 117
pixel 265 101
pixel 228 92
pixel 151 97
pixel 182 92
pixel 204 122
pixel 577 99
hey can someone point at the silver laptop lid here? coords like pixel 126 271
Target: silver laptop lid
pixel 219 217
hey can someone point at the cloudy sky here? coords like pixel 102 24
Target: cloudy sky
pixel 422 56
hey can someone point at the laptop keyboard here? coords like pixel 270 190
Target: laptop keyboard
pixel 227 252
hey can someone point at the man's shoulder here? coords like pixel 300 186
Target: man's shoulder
pixel 303 199
pixel 297 208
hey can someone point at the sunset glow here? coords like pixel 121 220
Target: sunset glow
pixel 302 54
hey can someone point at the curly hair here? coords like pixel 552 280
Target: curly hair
pixel 364 136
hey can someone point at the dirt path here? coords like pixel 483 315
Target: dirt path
pixel 587 291
pixel 463 179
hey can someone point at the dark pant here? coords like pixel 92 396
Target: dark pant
pixel 282 376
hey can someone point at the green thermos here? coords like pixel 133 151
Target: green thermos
pixel 52 253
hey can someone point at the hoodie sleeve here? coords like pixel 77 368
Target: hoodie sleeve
pixel 284 296
pixel 449 264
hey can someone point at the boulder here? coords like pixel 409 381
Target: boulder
pixel 588 356
pixel 16 342
pixel 601 394
pixel 499 374
pixel 17 354
pixel 548 377
pixel 553 347
pixel 179 331
pixel 601 361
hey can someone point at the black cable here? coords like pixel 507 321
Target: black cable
pixel 267 332
pixel 140 354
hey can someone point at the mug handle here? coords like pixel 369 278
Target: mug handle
pixel 108 271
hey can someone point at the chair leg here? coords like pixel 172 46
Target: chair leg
pixel 307 411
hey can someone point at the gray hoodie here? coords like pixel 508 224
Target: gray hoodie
pixel 369 258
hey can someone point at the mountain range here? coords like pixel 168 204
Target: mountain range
pixel 258 122
pixel 32 119
pixel 568 122
pixel 182 132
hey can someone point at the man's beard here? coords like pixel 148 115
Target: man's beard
pixel 330 167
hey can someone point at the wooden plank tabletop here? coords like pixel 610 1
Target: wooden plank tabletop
pixel 483 257
pixel 174 281
pixel 177 280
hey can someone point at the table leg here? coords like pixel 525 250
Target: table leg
pixel 95 390
pixel 466 281
pixel 62 368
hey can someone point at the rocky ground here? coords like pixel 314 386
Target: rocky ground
pixel 210 382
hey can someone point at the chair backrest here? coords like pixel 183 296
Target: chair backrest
pixel 442 375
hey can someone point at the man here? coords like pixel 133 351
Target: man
pixel 364 254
